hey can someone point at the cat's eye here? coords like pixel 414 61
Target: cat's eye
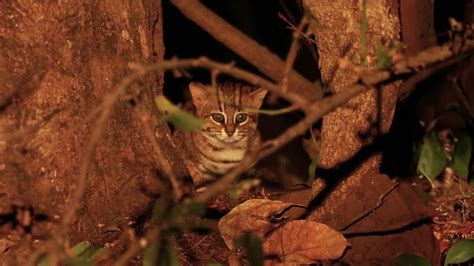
pixel 219 118
pixel 240 118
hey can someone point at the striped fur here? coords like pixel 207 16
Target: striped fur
pixel 219 146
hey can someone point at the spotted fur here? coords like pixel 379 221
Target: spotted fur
pixel 219 146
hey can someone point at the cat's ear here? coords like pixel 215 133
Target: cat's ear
pixel 199 93
pixel 257 97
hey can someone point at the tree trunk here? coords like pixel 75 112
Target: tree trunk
pixel 58 61
pixel 348 130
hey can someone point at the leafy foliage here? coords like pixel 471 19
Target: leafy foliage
pixel 462 251
pixel 174 115
pixel 383 57
pixel 168 256
pixel 151 255
pixel 432 157
pixel 462 156
pixel 253 248
pixel 312 171
pixel 84 252
pixel 408 259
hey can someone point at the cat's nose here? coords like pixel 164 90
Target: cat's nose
pixel 230 130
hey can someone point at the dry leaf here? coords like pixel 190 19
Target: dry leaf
pixel 252 216
pixel 304 242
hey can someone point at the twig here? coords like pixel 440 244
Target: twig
pixel 409 85
pixel 393 229
pixel 370 210
pixel 461 94
pixel 194 246
pixel 163 163
pixel 280 111
pixel 259 56
pixel 293 51
pixel 137 246
pixel 298 30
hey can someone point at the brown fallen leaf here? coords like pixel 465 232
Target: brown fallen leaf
pixel 253 215
pixel 303 242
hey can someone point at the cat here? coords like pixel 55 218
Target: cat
pixel 229 131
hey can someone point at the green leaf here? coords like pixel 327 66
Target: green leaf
pixel 168 256
pixel 151 255
pixel 98 252
pixel 383 58
pixel 85 253
pixel 432 158
pixel 180 214
pixel 78 262
pixel 462 251
pixel 312 171
pixel 46 261
pixel 425 196
pixel 253 248
pixel 270 112
pixel 462 156
pixel 179 118
pixel 243 185
pixel 408 259
pixel 79 248
pixel 158 211
pixel 85 250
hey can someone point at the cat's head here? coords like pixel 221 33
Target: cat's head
pixel 223 109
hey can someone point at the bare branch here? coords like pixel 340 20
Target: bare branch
pixel 267 62
pixel 293 51
pixel 163 163
pixel 137 246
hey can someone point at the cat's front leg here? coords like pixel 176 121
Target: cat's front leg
pixel 196 175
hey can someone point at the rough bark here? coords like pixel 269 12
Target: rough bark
pixel 346 131
pixel 58 60
pixel 338 36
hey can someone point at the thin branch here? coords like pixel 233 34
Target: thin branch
pixel 370 210
pixel 259 56
pixel 293 51
pixel 461 94
pixel 298 30
pixel 280 111
pixel 137 246
pixel 163 163
pixel 392 230
pixel 408 86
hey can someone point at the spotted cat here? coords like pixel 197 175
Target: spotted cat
pixel 229 131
